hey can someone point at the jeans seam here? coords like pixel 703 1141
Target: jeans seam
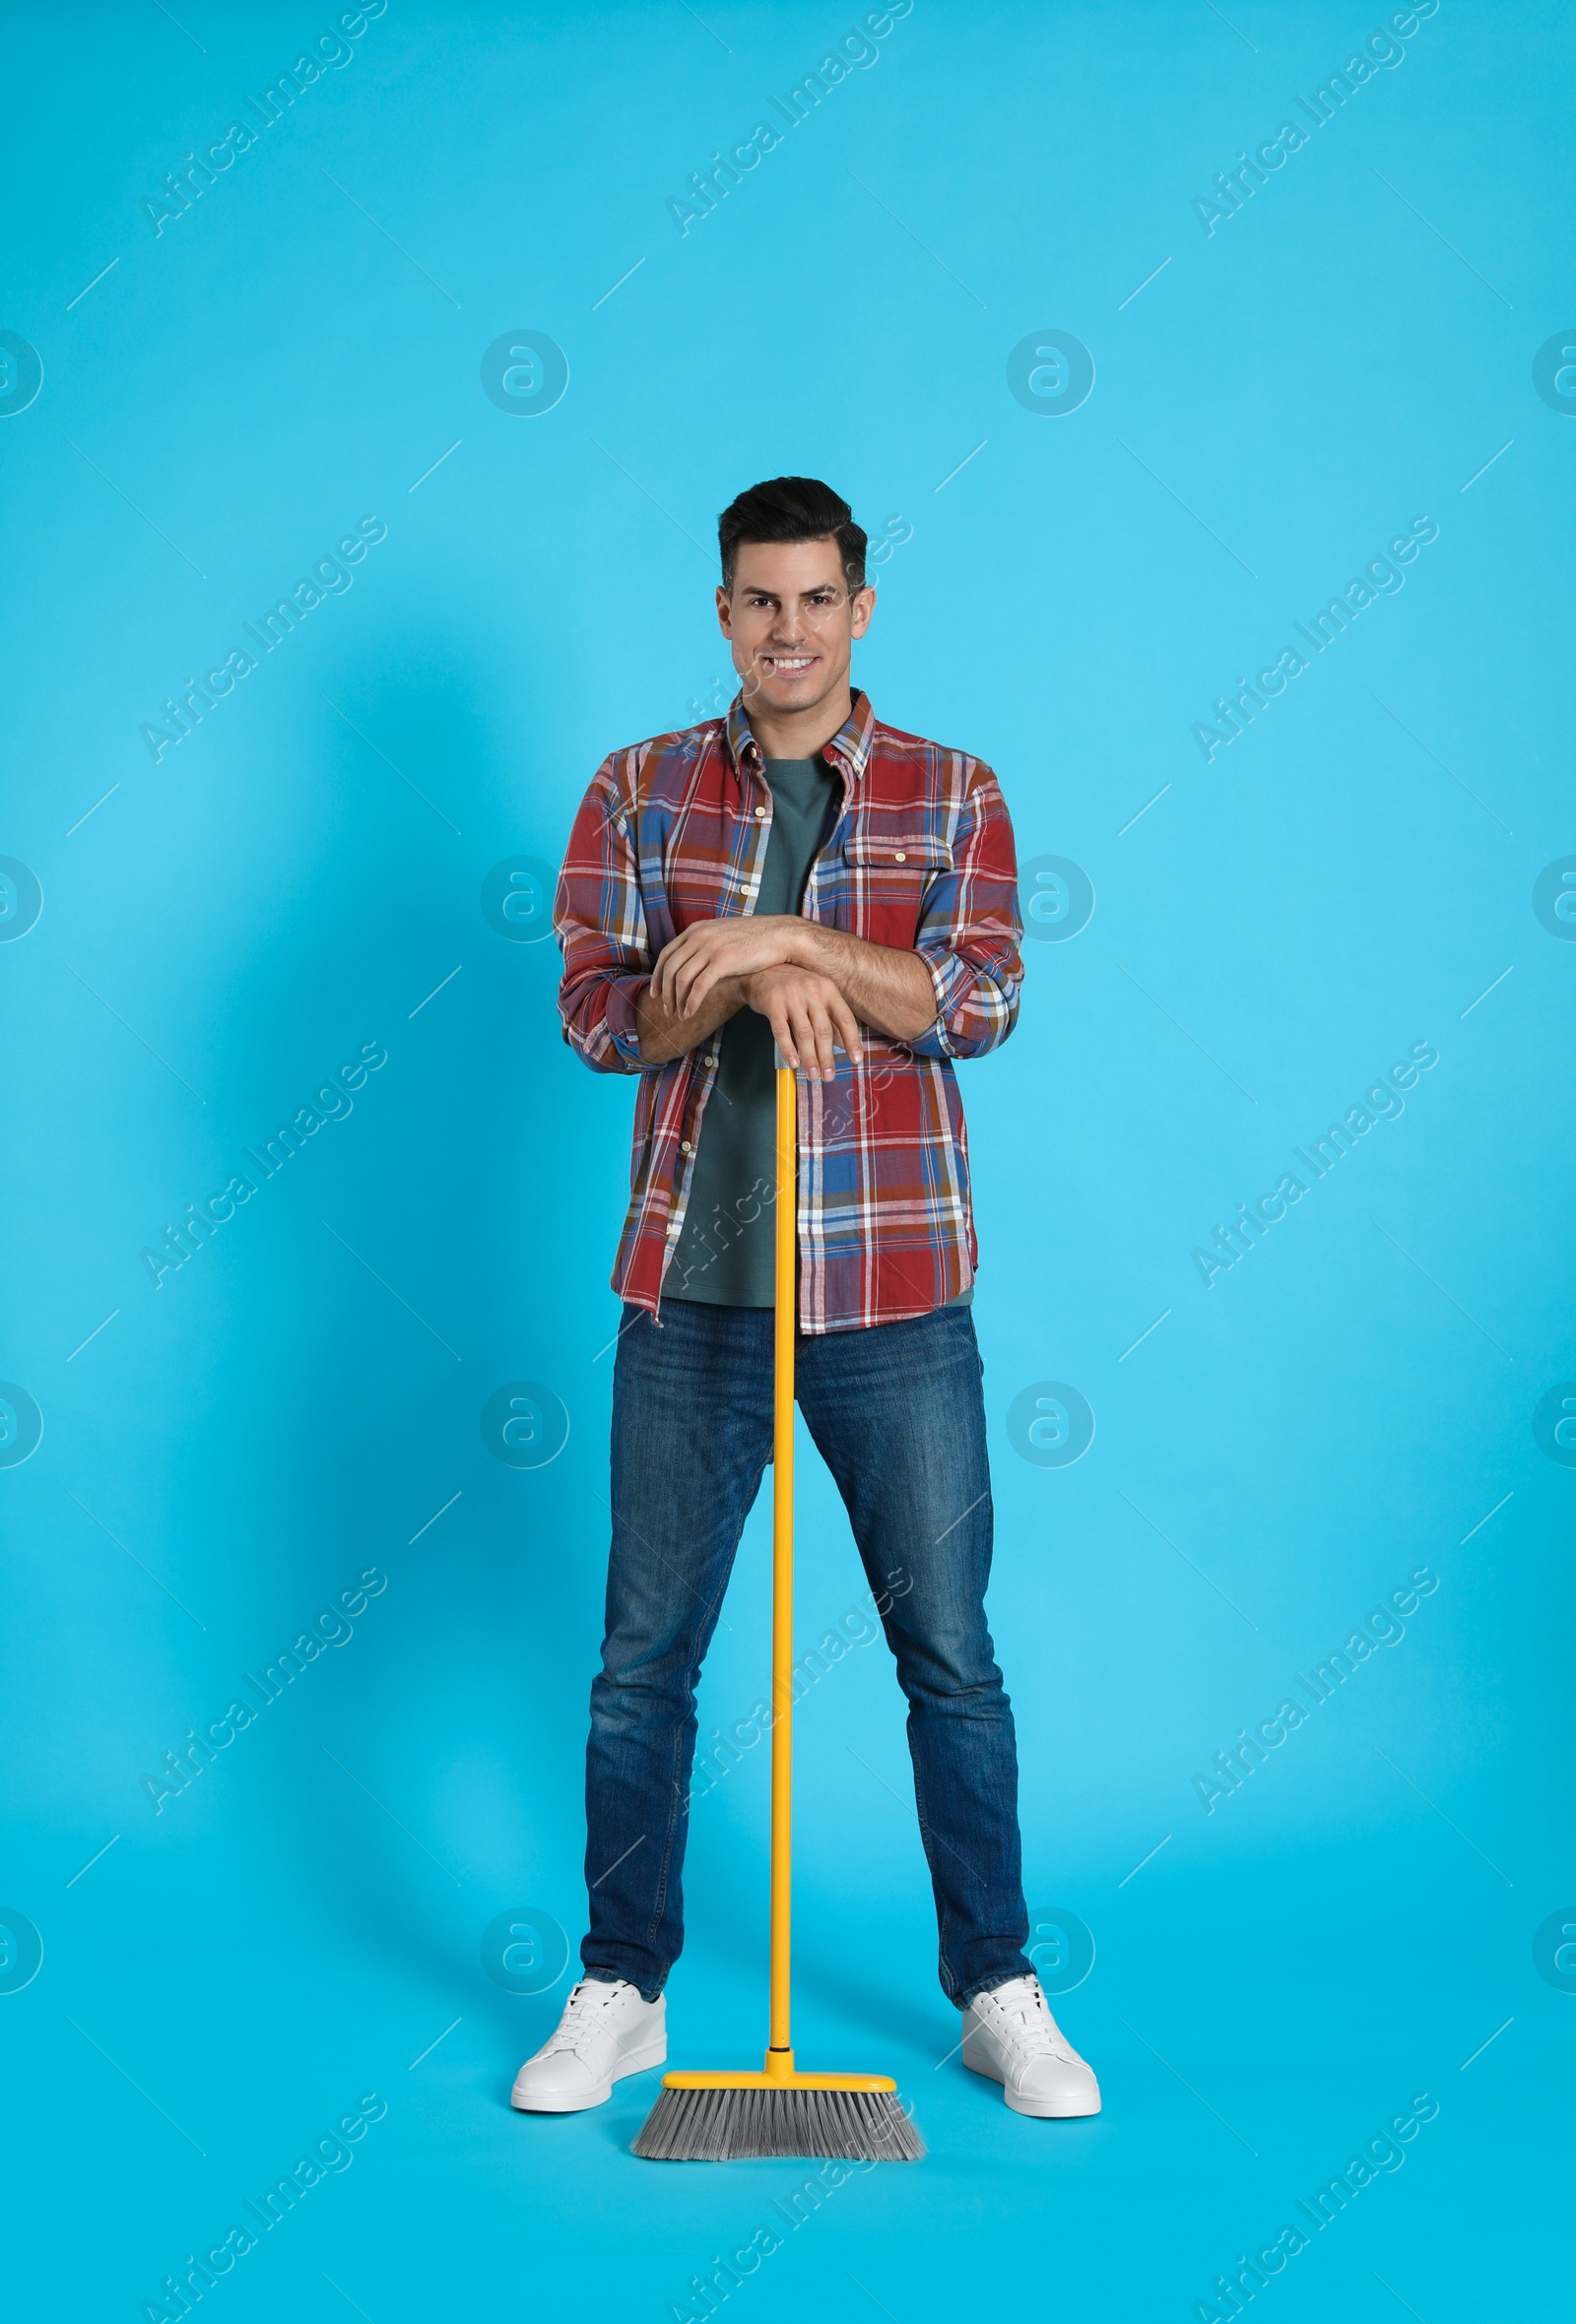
pixel 949 1982
pixel 660 1903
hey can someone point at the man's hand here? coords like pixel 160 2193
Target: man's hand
pixel 664 1034
pixel 809 1017
pixel 693 963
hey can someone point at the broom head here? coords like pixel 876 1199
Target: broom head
pixel 732 2117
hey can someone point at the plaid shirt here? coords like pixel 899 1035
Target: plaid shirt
pixel 920 858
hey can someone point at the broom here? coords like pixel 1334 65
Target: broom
pixel 712 2117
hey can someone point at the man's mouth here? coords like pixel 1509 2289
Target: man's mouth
pixel 789 665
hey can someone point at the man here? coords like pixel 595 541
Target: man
pixel 796 873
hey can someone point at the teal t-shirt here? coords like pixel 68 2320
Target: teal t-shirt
pixel 726 1251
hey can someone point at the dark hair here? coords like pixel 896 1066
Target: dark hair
pixel 792 508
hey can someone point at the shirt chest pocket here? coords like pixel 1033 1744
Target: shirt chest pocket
pixel 888 874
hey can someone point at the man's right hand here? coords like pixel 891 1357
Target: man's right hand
pixel 809 1017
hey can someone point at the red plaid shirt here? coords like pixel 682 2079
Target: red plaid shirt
pixel 920 858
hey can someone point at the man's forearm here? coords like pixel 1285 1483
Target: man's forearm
pixel 665 1035
pixel 890 991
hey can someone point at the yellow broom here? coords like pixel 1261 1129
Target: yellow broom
pixel 712 2117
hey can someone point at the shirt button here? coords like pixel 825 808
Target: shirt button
pixel 686 1147
pixel 711 1064
pixel 760 810
pixel 899 858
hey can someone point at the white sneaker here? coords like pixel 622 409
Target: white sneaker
pixel 1010 2035
pixel 606 2031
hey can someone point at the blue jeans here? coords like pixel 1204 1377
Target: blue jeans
pixel 897 1415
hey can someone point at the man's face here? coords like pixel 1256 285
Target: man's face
pixel 790 622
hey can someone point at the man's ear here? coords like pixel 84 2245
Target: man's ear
pixel 864 607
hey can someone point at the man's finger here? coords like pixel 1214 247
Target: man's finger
pixel 692 952
pixel 803 1038
pixel 836 1026
pixel 662 978
pixel 847 1026
pixel 782 1034
pixel 685 952
pixel 824 1037
pixel 684 973
pixel 828 1033
pixel 706 976
pixel 819 1040
pixel 679 962
pixel 843 1026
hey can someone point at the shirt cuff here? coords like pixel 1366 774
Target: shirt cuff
pixel 619 1019
pixel 953 980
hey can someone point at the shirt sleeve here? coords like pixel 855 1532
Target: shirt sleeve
pixel 601 925
pixel 969 931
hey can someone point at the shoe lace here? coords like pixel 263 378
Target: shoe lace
pixel 581 2012
pixel 1035 2028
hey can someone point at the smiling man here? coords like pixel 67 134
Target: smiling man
pixel 796 873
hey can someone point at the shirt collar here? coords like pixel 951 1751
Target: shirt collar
pixel 850 746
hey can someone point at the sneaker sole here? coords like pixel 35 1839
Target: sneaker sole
pixel 640 2061
pixel 1042 2109
pixel 1048 2109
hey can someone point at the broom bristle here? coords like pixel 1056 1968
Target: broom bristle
pixel 723 2125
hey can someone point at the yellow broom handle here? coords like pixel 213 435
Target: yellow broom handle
pixel 782 1544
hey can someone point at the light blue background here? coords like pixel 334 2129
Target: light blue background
pixel 292 880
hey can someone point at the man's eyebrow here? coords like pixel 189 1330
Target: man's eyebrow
pixel 816 589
